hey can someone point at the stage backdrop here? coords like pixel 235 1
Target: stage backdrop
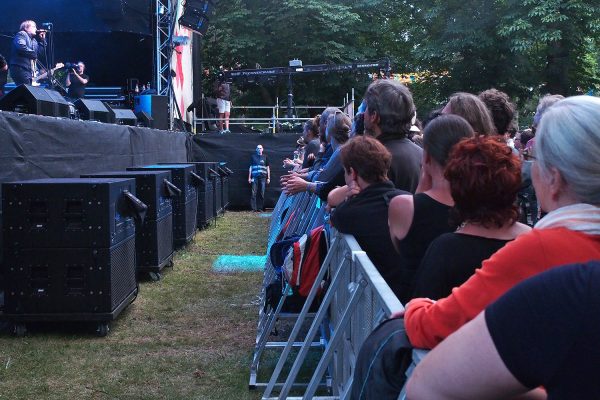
pixel 134 16
pixel 237 149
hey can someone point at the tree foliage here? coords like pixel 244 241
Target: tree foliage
pixel 524 47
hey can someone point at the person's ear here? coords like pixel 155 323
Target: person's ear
pixel 353 174
pixel 556 183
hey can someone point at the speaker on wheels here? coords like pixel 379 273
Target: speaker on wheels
pixel 29 99
pixel 154 235
pixel 185 204
pixel 69 247
pixel 121 116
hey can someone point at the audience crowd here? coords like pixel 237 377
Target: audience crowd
pixel 470 222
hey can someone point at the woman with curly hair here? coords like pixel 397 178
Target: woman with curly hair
pixel 484 177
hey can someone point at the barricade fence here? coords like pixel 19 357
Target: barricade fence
pixel 356 300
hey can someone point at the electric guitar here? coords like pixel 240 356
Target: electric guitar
pixel 35 79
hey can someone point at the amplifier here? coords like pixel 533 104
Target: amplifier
pixel 69 212
pixel 154 188
pixel 69 284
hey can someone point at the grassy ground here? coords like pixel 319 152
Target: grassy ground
pixel 188 336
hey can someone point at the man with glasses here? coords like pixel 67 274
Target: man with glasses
pixel 259 175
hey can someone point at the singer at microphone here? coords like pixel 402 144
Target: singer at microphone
pixel 27 46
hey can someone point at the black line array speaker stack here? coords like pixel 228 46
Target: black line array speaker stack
pixel 69 249
pixel 211 171
pixel 224 173
pixel 28 99
pixel 185 204
pixel 206 196
pixel 153 235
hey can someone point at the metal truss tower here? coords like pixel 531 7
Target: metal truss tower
pixel 165 15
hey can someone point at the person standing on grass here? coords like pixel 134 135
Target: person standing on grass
pixel 259 175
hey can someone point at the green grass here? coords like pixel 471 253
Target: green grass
pixel 188 336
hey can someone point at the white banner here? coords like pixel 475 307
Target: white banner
pixel 182 64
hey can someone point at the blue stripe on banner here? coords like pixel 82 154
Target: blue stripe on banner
pixel 245 263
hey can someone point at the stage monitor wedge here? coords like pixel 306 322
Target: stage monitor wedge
pixel 93 110
pixel 122 116
pixel 29 99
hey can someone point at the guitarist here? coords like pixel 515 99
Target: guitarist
pixel 28 44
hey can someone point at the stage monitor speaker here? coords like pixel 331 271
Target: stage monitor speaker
pixel 145 119
pixel 93 110
pixel 156 106
pixel 121 116
pixel 28 99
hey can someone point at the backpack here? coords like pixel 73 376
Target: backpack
pixel 304 259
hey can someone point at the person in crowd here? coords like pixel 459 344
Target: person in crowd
pixel 542 332
pixel 358 125
pixel 3 74
pixel 361 207
pixel 337 132
pixel 259 175
pixel 76 81
pixel 311 138
pixel 484 177
pixel 28 44
pixel 566 178
pixel 388 116
pixel 471 108
pixel 296 162
pixel 414 221
pixel 501 109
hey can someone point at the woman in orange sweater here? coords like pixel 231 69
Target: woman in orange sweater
pixel 566 178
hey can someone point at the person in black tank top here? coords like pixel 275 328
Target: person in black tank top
pixel 417 220
pixel 485 210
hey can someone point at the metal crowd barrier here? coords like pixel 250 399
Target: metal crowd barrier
pixel 356 301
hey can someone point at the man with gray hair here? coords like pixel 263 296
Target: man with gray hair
pixel 29 44
pixel 388 117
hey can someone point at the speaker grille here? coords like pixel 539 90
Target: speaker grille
pixel 164 237
pixel 191 213
pixel 122 271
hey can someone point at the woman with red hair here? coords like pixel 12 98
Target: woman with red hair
pixel 484 177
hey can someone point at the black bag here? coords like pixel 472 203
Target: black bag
pixel 382 362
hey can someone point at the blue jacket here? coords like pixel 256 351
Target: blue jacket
pixel 24 49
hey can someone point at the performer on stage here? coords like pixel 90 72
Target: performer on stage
pixel 76 81
pixel 27 46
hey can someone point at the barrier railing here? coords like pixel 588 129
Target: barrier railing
pixel 357 299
